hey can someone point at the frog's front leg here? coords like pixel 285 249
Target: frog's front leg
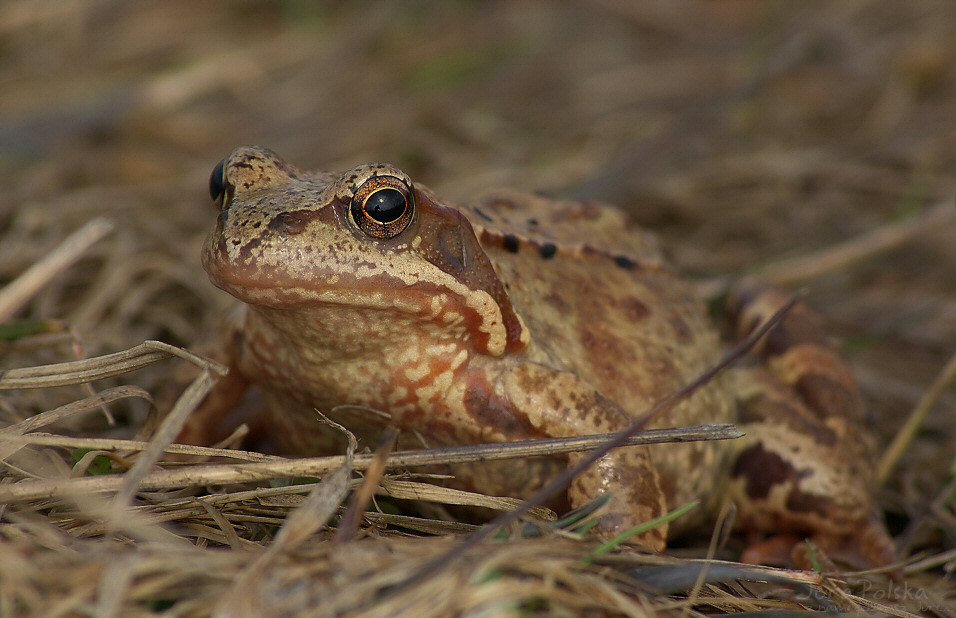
pixel 555 403
pixel 217 415
pixel 806 463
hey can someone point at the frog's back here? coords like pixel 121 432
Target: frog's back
pixel 564 224
pixel 599 301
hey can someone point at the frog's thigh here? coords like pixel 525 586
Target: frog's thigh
pixel 560 404
pixel 806 462
pixel 795 470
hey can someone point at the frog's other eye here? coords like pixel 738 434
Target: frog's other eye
pixel 217 182
pixel 383 207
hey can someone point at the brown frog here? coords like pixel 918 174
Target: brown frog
pixel 373 300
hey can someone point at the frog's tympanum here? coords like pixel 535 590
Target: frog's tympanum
pixel 373 300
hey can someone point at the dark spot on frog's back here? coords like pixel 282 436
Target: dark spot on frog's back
pixel 622 261
pixel 497 413
pixel 547 250
pixel 293 222
pixel 602 354
pixel 634 309
pixel 510 243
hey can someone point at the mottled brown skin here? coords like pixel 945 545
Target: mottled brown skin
pixel 516 318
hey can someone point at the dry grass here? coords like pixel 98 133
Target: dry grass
pixel 124 533
pixel 752 136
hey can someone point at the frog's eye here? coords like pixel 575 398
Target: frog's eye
pixel 217 182
pixel 383 206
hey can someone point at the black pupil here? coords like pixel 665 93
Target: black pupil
pixel 385 205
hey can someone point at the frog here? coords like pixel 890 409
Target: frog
pixel 366 296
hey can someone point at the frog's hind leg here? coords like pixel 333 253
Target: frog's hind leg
pixel 806 464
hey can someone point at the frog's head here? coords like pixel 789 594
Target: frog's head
pixel 367 238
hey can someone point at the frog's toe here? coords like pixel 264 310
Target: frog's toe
pixel 775 550
pixel 869 547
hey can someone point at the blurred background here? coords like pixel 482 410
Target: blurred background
pixel 744 132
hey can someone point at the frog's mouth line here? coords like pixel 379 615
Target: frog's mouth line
pixel 462 309
pixel 385 292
